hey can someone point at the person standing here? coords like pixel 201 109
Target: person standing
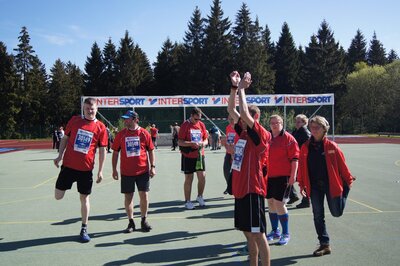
pixel 249 183
pixel 60 134
pixel 77 151
pixel 283 162
pixel 154 134
pixel 175 133
pixel 137 151
pixel 323 172
pixel 302 134
pixel 229 144
pixel 110 139
pixel 191 139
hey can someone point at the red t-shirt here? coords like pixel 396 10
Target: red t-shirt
pixel 282 151
pixel 84 138
pixel 133 145
pixel 231 138
pixel 248 163
pixel 194 133
pixel 153 132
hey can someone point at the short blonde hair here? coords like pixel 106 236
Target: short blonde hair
pixel 303 118
pixel 320 120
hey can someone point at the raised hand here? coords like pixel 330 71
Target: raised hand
pixel 235 78
pixel 246 81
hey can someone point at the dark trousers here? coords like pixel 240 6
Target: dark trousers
pixel 336 206
pixel 227 166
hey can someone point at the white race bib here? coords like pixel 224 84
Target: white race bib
pixel 239 153
pixel 132 145
pixel 195 135
pixel 230 138
pixel 83 140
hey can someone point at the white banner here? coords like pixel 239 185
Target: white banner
pixel 213 100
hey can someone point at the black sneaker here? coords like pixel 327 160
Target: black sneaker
pixel 145 226
pixel 305 203
pixel 84 236
pixel 130 228
pixel 293 199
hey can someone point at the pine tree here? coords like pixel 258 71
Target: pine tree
pixel 145 77
pixel 127 78
pixel 110 72
pixel 357 51
pixel 286 63
pixel 94 68
pixel 217 52
pixel 269 45
pixel 166 69
pixel 9 106
pixel 191 63
pixel 376 52
pixel 392 56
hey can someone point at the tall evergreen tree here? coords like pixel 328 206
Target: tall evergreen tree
pixel 286 63
pixel 269 45
pixel 76 85
pixel 24 56
pixel 357 51
pixel 110 72
pixel 127 78
pixel 217 51
pixel 145 78
pixel 9 106
pixel 94 68
pixel 166 69
pixel 376 52
pixel 191 64
pixel 392 56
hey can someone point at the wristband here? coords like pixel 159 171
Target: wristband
pixel 153 166
pixel 234 87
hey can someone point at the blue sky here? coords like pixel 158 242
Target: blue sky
pixel 68 29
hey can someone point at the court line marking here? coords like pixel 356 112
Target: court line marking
pixel 365 205
pixel 44 182
pixel 23 200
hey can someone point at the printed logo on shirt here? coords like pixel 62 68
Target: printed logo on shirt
pixel 238 156
pixel 195 135
pixel 132 146
pixel 83 140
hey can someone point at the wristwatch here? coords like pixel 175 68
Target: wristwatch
pixel 152 166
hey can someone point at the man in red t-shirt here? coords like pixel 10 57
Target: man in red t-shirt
pixel 231 137
pixel 154 134
pixel 249 177
pixel 137 150
pixel 82 137
pixel 192 138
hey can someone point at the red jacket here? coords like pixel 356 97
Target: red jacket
pixel 338 172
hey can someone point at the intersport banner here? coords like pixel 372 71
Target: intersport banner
pixel 213 100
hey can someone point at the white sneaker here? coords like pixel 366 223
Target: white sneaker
pixel 189 205
pixel 201 201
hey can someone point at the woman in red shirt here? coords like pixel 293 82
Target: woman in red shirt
pixel 323 172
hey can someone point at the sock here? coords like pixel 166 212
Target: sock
pixel 84 227
pixel 143 219
pixel 284 219
pixel 131 221
pixel 273 217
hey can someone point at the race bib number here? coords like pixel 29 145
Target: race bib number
pixel 83 140
pixel 132 145
pixel 195 135
pixel 230 138
pixel 238 156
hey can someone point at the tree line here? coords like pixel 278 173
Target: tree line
pixel 365 79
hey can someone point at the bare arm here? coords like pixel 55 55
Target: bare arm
pixel 243 108
pixel 235 79
pixel 102 159
pixel 152 159
pixel 293 171
pixel 63 145
pixel 114 162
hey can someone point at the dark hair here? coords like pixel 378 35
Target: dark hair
pixel 90 101
pixel 196 111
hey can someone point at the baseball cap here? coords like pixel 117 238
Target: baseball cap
pixel 130 114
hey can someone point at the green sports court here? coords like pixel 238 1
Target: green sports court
pixel 35 229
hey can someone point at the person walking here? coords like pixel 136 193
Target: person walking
pixel 77 150
pixel 323 173
pixel 302 134
pixel 137 167
pixel 249 183
pixel 191 140
pixel 175 133
pixel 283 163
pixel 154 134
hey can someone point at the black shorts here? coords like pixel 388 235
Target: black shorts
pixel 142 182
pixel 188 165
pixel 250 214
pixel 83 179
pixel 276 187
